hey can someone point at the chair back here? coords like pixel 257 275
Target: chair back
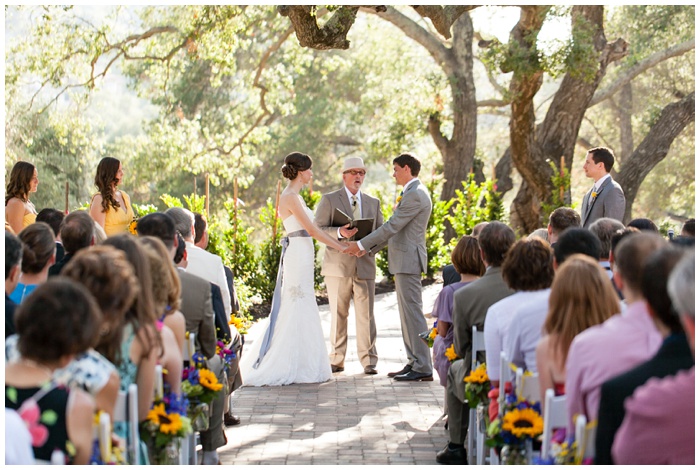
pixel 504 376
pixel 189 347
pixel 527 386
pixel 478 345
pixel 158 382
pixel 127 410
pixel 585 438
pixel 104 436
pixel 555 416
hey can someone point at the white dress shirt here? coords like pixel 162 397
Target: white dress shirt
pixel 210 267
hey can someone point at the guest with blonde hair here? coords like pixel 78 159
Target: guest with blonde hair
pixel 581 296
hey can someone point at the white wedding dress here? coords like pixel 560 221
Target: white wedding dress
pixel 297 352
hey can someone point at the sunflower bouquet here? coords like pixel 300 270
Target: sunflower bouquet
pixel 477 386
pixel 429 336
pixel 199 385
pixel 165 424
pixel 521 423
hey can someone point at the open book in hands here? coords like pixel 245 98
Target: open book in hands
pixel 364 226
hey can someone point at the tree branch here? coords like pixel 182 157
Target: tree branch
pixel 639 68
pixel 443 17
pixel 439 138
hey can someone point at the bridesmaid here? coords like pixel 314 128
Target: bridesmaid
pixel 111 208
pixel 19 210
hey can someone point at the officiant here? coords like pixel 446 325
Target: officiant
pixel 349 277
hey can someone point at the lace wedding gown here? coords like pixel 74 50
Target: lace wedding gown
pixel 297 352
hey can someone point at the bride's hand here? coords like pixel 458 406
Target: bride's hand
pixel 345 247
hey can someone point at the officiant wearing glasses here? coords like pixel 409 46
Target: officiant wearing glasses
pixel 348 277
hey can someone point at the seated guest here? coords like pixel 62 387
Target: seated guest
pixel 659 424
pixel 604 228
pixel 53 217
pixel 59 320
pixel 688 229
pixel 77 232
pixel 467 261
pixel 449 272
pixel 13 259
pixel 644 224
pixel 572 309
pixel 528 270
pixel 620 343
pixel 673 356
pixel 166 297
pixel 540 233
pixel 38 255
pixel 614 241
pixel 528 318
pixel 559 220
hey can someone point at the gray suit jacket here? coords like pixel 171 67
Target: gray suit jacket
pixel 610 202
pixel 470 305
pixel 334 262
pixel 198 311
pixel 405 232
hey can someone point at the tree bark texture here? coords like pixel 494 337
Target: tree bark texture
pixel 654 148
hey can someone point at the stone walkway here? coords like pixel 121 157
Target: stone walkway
pixel 352 419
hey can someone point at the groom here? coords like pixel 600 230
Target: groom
pixel 404 232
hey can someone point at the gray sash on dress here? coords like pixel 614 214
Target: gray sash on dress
pixel 276 297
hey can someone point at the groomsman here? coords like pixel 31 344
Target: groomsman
pixel 404 233
pixel 605 198
pixel 350 277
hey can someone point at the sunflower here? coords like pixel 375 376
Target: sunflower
pixel 171 424
pixel 132 227
pixel 477 375
pixel 157 413
pixel 433 333
pixel 450 353
pixel 523 423
pixel 208 380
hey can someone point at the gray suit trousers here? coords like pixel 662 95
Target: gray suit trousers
pixel 457 411
pixel 410 299
pixel 213 437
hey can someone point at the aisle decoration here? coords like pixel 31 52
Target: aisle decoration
pixel 450 353
pixel 428 336
pixel 165 424
pixel 477 386
pixel 200 386
pixel 521 424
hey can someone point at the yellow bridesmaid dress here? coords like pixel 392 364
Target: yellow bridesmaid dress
pixel 117 220
pixel 28 219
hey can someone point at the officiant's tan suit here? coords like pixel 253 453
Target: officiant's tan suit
pixel 349 277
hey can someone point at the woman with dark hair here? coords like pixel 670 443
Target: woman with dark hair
pixel 38 255
pixel 582 296
pixel 19 210
pixel 58 321
pixel 467 262
pixel 111 208
pixel 293 349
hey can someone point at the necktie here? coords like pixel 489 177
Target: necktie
pixel 355 209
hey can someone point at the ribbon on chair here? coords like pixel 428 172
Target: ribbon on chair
pixel 276 297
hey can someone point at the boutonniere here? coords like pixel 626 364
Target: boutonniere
pixel 398 199
pixel 594 194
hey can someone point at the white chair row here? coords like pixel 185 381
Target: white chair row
pixel 127 410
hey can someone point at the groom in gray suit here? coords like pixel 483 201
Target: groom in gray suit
pixel 605 198
pixel 404 232
pixel 350 277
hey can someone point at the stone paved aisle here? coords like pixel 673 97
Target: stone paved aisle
pixel 352 419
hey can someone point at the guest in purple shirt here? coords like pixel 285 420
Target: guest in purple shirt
pixel 467 261
pixel 659 424
pixel 622 342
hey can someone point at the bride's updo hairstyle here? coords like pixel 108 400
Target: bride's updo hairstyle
pixel 294 163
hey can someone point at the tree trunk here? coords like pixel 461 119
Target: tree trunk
pixel 654 148
pixel 624 112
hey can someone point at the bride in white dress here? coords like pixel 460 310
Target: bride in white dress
pixel 294 349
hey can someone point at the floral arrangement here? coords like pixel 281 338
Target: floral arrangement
pixel 241 324
pixel 165 423
pixel 450 353
pixel 225 353
pixel 428 336
pixel 522 421
pixel 132 226
pixel 199 384
pixel 563 452
pixel 115 450
pixel 139 211
pixel 477 386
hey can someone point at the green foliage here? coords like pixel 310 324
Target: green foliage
pixel 171 201
pixel 476 203
pixel 561 184
pixel 143 209
pixel 438 251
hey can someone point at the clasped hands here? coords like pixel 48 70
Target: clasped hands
pixel 353 249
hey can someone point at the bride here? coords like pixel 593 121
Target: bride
pixel 293 348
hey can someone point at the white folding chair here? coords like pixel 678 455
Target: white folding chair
pixel 104 436
pixel 504 376
pixel 555 416
pixel 585 438
pixel 127 410
pixel 527 387
pixel 475 453
pixel 188 448
pixel 158 382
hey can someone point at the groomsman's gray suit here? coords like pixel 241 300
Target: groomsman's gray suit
pixel 609 202
pixel 349 277
pixel 405 234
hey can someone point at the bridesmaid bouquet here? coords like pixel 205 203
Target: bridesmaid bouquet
pixel 165 424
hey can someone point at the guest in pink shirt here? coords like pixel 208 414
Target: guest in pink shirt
pixel 659 424
pixel 620 343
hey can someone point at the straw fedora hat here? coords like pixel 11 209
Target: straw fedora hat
pixel 353 163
